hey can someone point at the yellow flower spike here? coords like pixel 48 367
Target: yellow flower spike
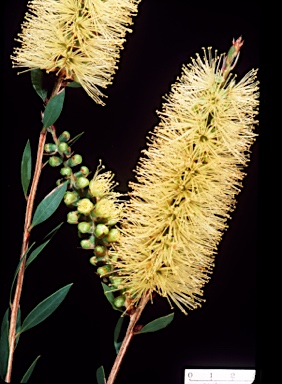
pixel 186 183
pixel 80 39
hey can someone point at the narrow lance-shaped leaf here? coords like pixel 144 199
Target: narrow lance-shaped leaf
pixel 35 253
pixel 100 375
pixel 45 308
pixel 53 109
pixel 28 373
pixel 117 330
pixel 49 204
pixel 17 270
pixel 73 140
pixel 157 324
pixel 26 168
pixel 18 325
pixel 53 231
pixel 40 248
pixel 37 83
pixel 4 344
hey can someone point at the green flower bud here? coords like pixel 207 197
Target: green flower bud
pixel 74 160
pixel 72 217
pixel 104 270
pixel 84 170
pixel 65 136
pixel 84 227
pixel 86 244
pixel 101 230
pixel 111 222
pixel 93 260
pixel 66 171
pixel 55 161
pixel 63 147
pixel 113 235
pixel 85 206
pixel 81 182
pixel 50 148
pixel 100 250
pixel 116 281
pixel 70 197
pixel 119 301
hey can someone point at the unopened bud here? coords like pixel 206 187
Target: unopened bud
pixel 86 244
pixel 74 160
pixel 50 148
pixel 100 250
pixel 81 182
pixel 72 217
pixel 55 161
pixel 104 270
pixel 101 230
pixel 84 171
pixel 119 301
pixel 70 197
pixel 116 281
pixel 113 235
pixel 65 136
pixel 84 227
pixel 65 171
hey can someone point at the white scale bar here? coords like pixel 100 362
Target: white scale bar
pixel 219 376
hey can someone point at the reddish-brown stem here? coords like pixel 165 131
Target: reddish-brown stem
pixel 26 234
pixel 25 243
pixel 128 337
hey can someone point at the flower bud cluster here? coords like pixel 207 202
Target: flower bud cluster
pixel 94 208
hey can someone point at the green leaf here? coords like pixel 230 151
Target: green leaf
pixel 18 326
pixel 109 295
pixel 54 230
pixel 77 137
pixel 45 308
pixel 4 344
pixel 117 330
pixel 35 253
pixel 17 270
pixel 49 204
pixel 26 168
pixel 100 375
pixel 37 83
pixel 74 84
pixel 53 109
pixel 28 373
pixel 157 324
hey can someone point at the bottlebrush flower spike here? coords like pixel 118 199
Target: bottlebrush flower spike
pixel 187 182
pixel 80 39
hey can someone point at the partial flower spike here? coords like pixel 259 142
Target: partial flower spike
pixel 79 39
pixel 187 181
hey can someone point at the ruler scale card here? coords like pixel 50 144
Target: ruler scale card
pixel 219 376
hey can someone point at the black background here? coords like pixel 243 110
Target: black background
pixel 78 337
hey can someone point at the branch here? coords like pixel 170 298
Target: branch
pixel 128 337
pixel 25 243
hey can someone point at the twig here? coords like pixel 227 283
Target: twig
pixel 128 337
pixel 26 234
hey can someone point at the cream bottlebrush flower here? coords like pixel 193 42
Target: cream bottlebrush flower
pixel 108 202
pixel 187 182
pixel 79 39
